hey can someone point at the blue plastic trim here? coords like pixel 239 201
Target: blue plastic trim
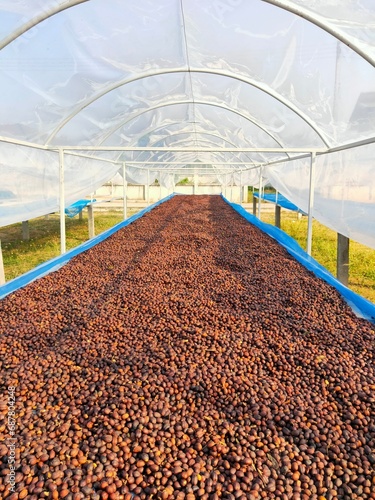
pixel 77 207
pixel 57 262
pixel 361 306
pixel 281 201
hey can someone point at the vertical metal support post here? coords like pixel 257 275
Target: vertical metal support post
pixel 90 212
pixel 277 216
pixel 148 187
pixel 246 194
pixel 80 215
pixel 196 183
pixel 343 259
pixel 124 190
pixel 311 203
pixel 241 189
pixel 277 211
pixel 254 204
pixel 62 202
pixel 160 185
pixel 2 272
pixel 231 190
pixel 25 230
pixel 260 191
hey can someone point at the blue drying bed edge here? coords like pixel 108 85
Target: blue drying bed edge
pixel 361 306
pixel 58 262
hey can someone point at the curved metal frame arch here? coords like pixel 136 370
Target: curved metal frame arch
pixel 205 103
pixel 187 157
pixel 203 134
pixel 38 19
pixel 203 141
pixel 297 10
pixel 208 71
pixel 185 133
pixel 308 16
pixel 156 129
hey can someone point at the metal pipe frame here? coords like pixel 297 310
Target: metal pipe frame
pixel 2 272
pixel 157 162
pixel 188 101
pixel 156 130
pixel 194 161
pixel 306 151
pixel 228 74
pixel 203 134
pixel 317 20
pixel 148 187
pixel 124 190
pixel 260 192
pixel 62 201
pixel 193 149
pixel 38 19
pixel 191 172
pixel 311 203
pixel 155 165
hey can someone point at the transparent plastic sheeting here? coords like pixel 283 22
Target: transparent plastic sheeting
pixel 56 263
pixel 241 73
pixel 344 194
pixel 303 64
pixel 166 180
pixel 30 181
pixel 75 77
pixel 361 306
pixel 196 120
pixel 285 127
pixel 249 177
pixel 354 18
pixel 136 175
pixel 279 200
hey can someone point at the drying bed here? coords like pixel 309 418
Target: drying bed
pixel 188 356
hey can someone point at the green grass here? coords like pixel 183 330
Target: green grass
pixel 21 256
pixel 324 250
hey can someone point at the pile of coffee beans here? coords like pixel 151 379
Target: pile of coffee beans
pixel 189 357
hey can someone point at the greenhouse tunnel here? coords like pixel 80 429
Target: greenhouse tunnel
pixel 252 87
pixel 191 351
